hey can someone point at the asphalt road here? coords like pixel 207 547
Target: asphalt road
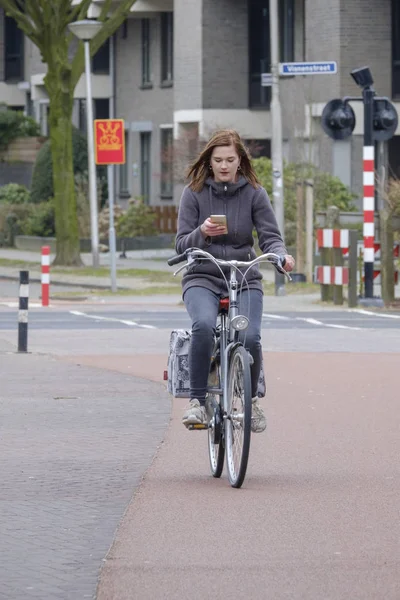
pixel 317 518
pixel 84 318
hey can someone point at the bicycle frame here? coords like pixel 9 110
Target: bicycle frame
pixel 228 338
pixel 229 335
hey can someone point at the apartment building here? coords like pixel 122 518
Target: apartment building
pixel 178 69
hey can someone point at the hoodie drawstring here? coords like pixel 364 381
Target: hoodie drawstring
pixel 237 215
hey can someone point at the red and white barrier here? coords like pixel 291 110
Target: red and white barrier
pixel 45 275
pixel 369 202
pixel 332 275
pixel 333 238
pixel 378 278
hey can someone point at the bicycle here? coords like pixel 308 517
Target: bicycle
pixel 229 400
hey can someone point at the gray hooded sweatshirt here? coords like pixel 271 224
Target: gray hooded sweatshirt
pixel 245 208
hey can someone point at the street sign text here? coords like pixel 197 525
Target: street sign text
pixel 308 68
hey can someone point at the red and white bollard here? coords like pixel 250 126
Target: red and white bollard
pixel 45 275
pixel 369 212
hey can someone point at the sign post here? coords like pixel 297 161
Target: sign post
pixel 110 151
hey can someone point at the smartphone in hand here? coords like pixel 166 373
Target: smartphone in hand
pixel 219 220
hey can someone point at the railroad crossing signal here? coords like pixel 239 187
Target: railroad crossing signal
pixel 338 119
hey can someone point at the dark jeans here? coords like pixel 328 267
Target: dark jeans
pixel 202 305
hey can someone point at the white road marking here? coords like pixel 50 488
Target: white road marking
pixel 311 321
pixel 315 322
pixel 101 318
pixel 375 314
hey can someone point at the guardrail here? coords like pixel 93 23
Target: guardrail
pixel 337 247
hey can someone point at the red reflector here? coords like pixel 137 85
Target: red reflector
pixel 165 375
pixel 224 304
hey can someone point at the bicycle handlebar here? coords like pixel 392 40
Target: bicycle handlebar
pixel 278 261
pixel 175 260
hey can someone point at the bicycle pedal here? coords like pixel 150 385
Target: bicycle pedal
pixel 197 426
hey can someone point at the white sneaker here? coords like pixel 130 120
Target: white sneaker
pixel 258 421
pixel 195 414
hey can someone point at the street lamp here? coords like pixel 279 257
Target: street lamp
pixel 86 30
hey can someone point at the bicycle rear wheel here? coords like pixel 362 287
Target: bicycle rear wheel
pixel 238 422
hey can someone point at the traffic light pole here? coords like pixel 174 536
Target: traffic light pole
pixel 369 191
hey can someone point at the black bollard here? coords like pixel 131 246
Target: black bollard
pixel 23 311
pixel 123 253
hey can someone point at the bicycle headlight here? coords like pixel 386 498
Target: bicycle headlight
pixel 240 322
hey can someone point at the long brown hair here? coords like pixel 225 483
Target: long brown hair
pixel 200 169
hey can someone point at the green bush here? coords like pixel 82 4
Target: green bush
pixel 328 190
pixel 12 218
pixel 13 193
pixel 138 220
pixel 42 178
pixel 15 124
pixel 40 221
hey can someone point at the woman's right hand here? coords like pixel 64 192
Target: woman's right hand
pixel 209 229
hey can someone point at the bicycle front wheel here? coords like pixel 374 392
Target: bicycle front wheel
pixel 238 421
pixel 216 450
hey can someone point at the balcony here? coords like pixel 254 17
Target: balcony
pixel 140 9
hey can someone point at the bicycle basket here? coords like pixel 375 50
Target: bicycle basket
pixel 178 366
pixel 178 363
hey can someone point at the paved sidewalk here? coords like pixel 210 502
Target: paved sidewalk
pixel 75 442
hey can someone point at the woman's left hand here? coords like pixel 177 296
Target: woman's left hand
pixel 289 264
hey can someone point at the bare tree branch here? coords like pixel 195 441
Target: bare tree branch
pixel 32 10
pixel 105 10
pixel 11 9
pixel 80 11
pixel 110 26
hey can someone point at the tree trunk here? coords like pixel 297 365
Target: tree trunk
pixel 66 218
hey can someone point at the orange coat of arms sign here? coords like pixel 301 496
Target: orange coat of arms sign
pixel 109 141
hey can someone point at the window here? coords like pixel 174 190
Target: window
pixel 13 51
pixel 101 108
pixel 167 163
pixel 101 60
pixel 286 37
pixel 167 48
pixel 395 49
pixel 146 75
pixel 145 148
pixel 259 46
pixel 82 120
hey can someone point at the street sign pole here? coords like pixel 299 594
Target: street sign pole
pixel 110 151
pixel 111 232
pixel 276 137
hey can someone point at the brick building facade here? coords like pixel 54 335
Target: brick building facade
pixel 178 69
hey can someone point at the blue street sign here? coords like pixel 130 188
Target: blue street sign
pixel 266 79
pixel 308 68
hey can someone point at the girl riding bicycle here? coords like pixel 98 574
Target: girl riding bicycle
pixel 222 181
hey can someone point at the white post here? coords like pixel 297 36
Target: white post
pixel 309 229
pixel 91 161
pixel 111 234
pixel 276 131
